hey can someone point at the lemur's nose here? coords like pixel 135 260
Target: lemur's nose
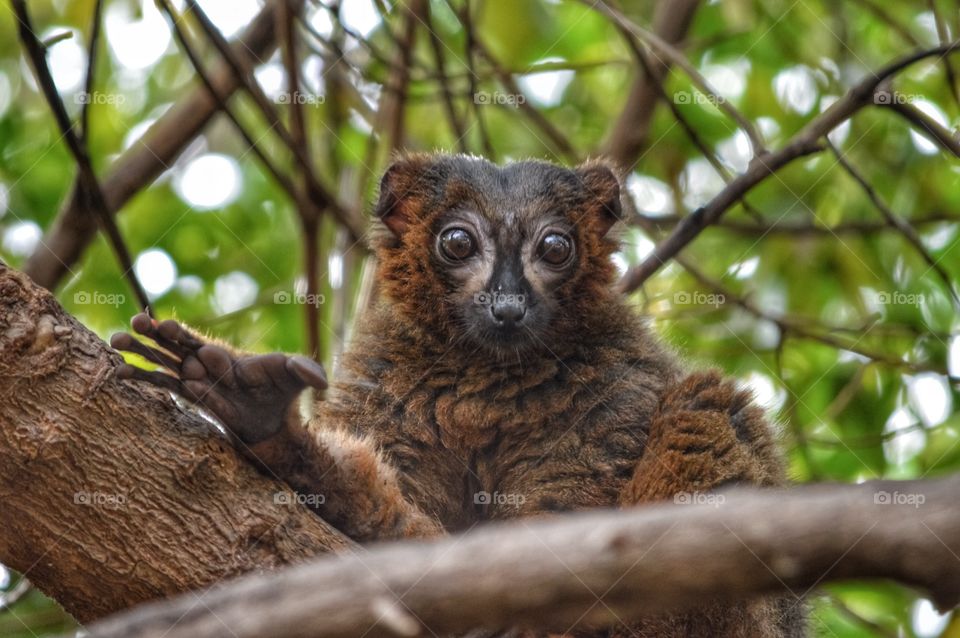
pixel 508 310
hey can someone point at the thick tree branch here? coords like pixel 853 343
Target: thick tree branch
pixel 138 166
pixel 112 495
pixel 591 568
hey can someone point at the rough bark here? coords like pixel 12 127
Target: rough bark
pixel 110 493
pixel 602 568
pixel 144 161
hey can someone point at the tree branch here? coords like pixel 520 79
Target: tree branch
pixel 138 166
pixel 804 143
pixel 549 574
pixel 88 186
pixel 110 493
pixel 668 51
pixel 628 136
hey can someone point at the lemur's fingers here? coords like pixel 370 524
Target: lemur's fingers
pixel 168 334
pixel 266 370
pixel 208 396
pixel 172 331
pixel 276 370
pixel 308 371
pixel 126 341
pixel 159 379
pixel 219 364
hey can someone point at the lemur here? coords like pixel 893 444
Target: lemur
pixel 498 376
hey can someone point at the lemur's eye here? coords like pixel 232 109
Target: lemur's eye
pixel 555 249
pixel 456 244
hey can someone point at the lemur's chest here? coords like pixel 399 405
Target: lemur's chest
pixel 472 412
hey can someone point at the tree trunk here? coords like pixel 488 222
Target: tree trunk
pixel 112 494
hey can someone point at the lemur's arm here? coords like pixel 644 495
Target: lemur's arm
pixel 255 397
pixel 705 434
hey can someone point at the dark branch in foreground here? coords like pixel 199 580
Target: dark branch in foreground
pixel 138 166
pixel 87 184
pixel 596 568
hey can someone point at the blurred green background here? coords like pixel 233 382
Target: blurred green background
pixel 861 384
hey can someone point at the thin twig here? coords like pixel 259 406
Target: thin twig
pixel 92 48
pixel 668 51
pixel 798 229
pixel 317 192
pixel 465 16
pixel 947 139
pixel 194 58
pixel 309 214
pixel 896 222
pixel 804 143
pixel 944 36
pixel 558 140
pixel 628 136
pixel 456 126
pixel 90 188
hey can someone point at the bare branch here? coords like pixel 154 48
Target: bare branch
pixel 948 140
pixel 557 139
pixel 175 24
pixel 804 143
pixel 793 229
pixel 322 198
pixel 669 52
pixel 93 48
pixel 628 135
pixel 903 227
pixel 465 16
pixel 88 185
pixel 548 574
pixel 439 58
pixel 139 165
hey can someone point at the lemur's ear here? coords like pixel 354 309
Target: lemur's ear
pixel 402 190
pixel 602 183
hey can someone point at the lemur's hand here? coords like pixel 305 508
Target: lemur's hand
pixel 250 394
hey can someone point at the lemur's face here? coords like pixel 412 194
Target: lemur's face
pixel 498 256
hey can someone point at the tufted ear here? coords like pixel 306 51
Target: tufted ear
pixel 403 188
pixel 603 185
